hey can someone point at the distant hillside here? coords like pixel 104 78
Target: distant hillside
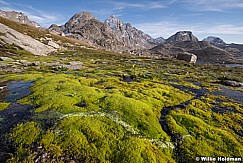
pixel 18 17
pixel 185 41
pixel 38 41
pixel 235 49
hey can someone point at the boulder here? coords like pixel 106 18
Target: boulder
pixel 232 83
pixel 75 63
pixel 5 59
pixel 64 67
pixel 53 44
pixel 188 57
pixel 74 67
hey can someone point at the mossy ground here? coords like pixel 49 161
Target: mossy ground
pixel 3 105
pixel 99 89
pixel 206 133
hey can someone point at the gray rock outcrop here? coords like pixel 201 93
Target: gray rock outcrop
pixel 29 44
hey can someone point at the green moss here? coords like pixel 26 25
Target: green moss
pixel 26 77
pixel 136 113
pixel 174 127
pixel 62 93
pixel 3 105
pixel 204 139
pixel 99 139
pixel 136 150
pixel 25 134
pixel 141 110
pixel 93 112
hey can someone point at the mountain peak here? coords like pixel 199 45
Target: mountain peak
pixel 182 36
pixel 114 16
pixel 214 40
pixel 83 16
pixel 78 20
pixel 114 23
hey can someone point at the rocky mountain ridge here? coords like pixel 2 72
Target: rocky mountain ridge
pixel 18 17
pixel 113 34
pixel 84 26
pixel 118 36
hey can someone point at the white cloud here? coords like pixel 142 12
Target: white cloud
pixel 157 29
pixel 3 2
pixel 119 7
pixel 142 6
pixel 214 5
pixel 226 29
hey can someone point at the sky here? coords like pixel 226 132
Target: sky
pixel 158 18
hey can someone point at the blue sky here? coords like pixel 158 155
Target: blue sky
pixel 222 18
